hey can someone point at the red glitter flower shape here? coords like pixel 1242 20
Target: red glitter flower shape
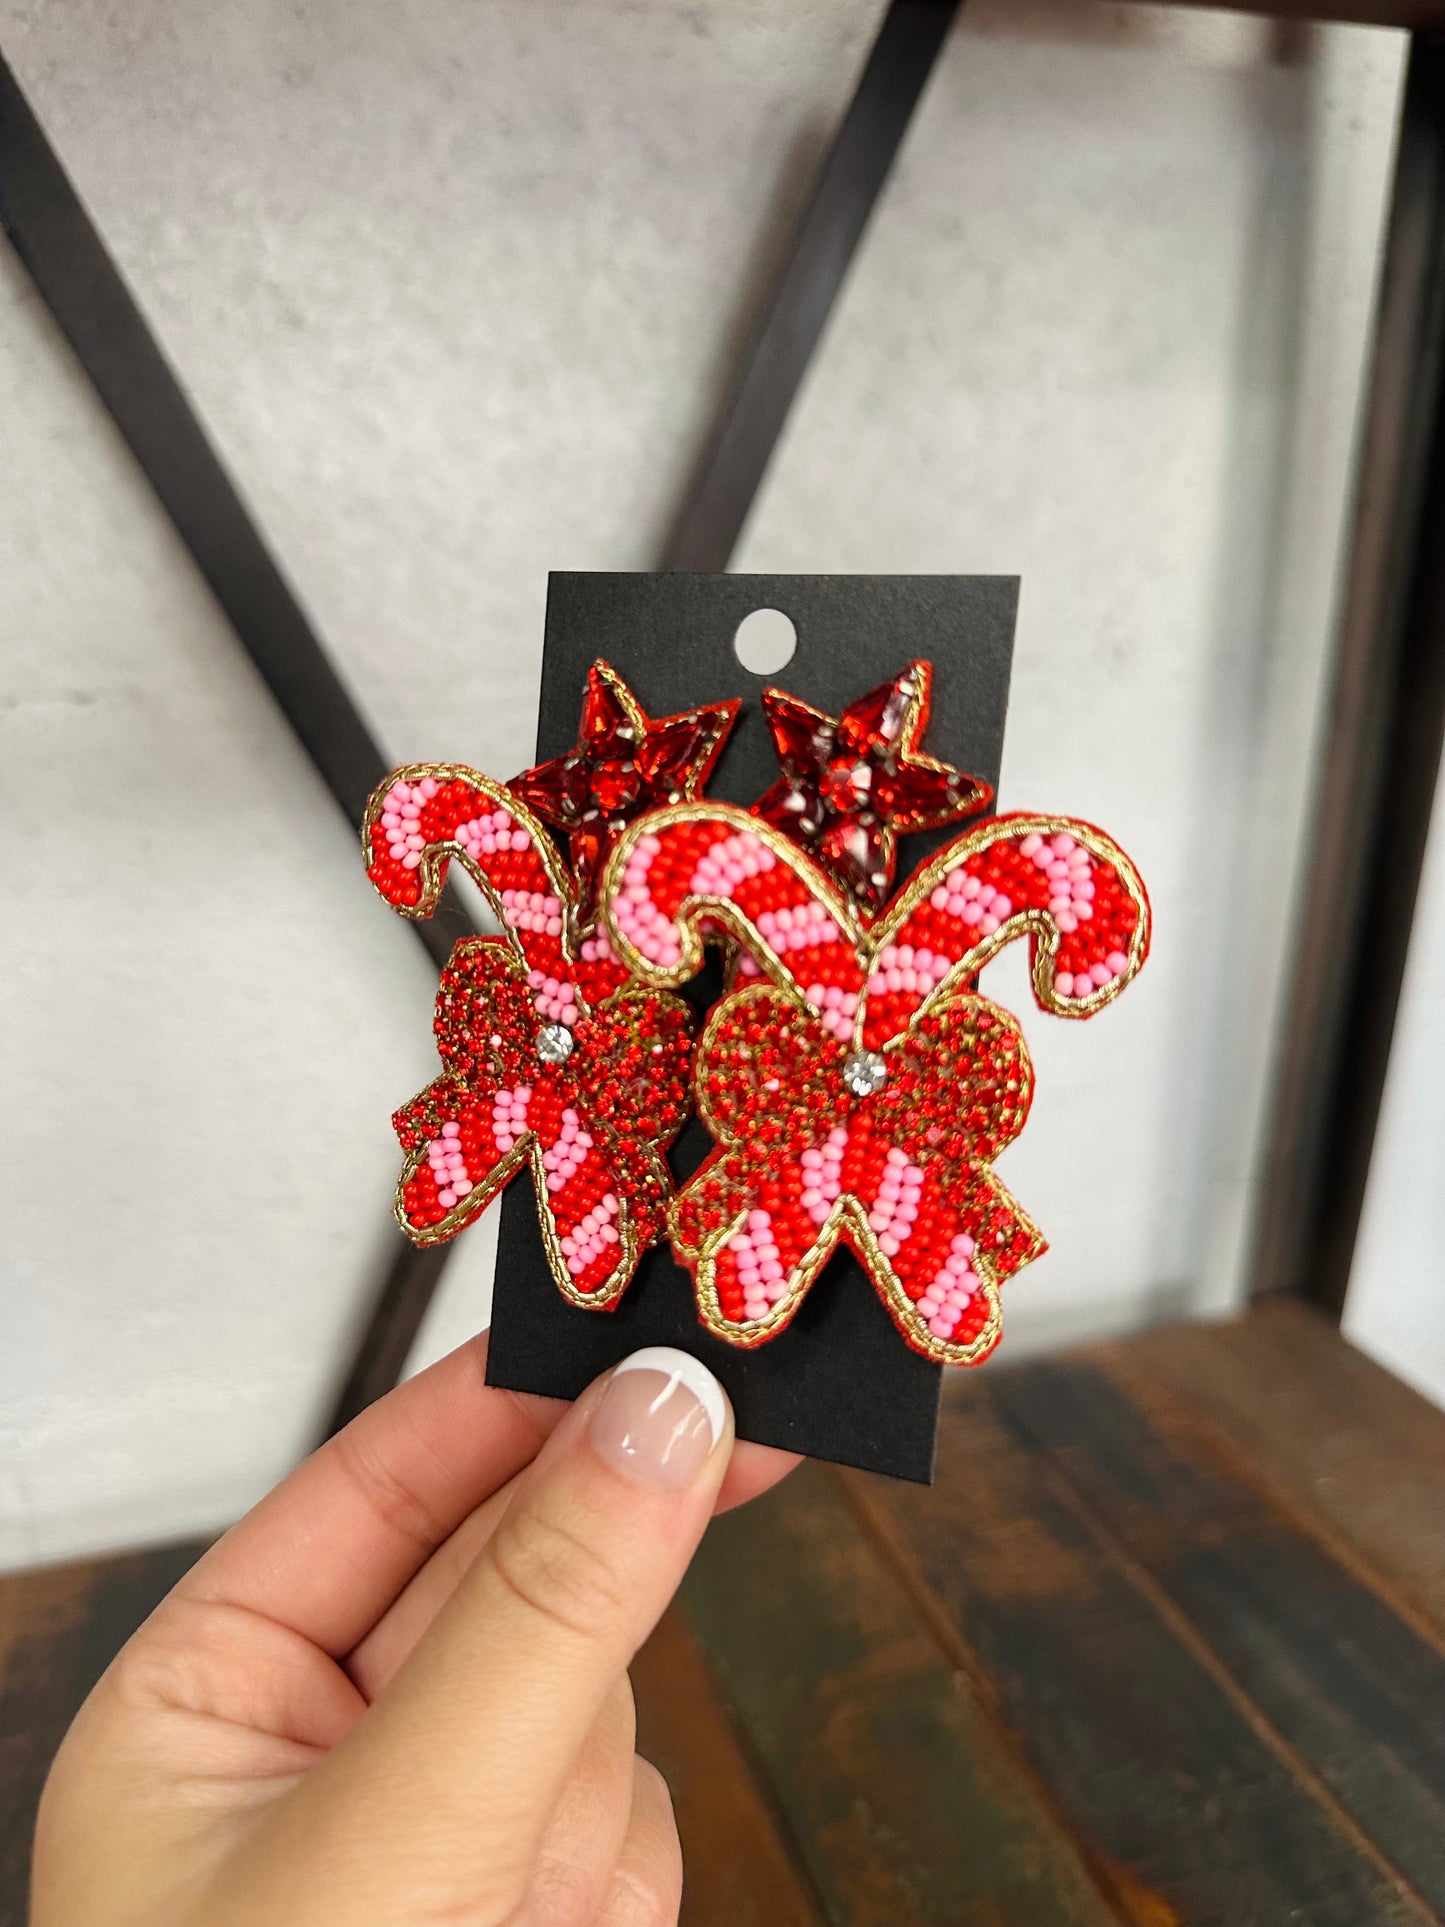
pixel 852 784
pixel 553 1057
pixel 857 1086
pixel 624 763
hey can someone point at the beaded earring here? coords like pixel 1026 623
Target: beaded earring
pixel 554 1056
pixel 857 1086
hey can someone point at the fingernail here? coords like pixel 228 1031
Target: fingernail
pixel 660 1416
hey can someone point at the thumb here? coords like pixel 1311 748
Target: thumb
pixel 452 1775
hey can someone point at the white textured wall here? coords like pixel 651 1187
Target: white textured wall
pixel 454 286
pixel 1396 1305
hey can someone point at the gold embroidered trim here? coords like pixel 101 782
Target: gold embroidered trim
pixel 865 939
pixel 848 1218
pixel 912 727
pixel 431 873
pixel 1012 829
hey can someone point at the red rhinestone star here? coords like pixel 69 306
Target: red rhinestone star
pixel 624 763
pixel 852 784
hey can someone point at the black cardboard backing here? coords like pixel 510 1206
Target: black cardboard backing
pixel 839 1383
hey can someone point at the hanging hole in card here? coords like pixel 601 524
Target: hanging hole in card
pixel 726 1062
pixel 838 1382
pixel 765 642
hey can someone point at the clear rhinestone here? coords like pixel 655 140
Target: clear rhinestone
pixel 865 1073
pixel 554 1043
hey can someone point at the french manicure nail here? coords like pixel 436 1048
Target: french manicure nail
pixel 659 1417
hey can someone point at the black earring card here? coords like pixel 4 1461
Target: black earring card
pixel 839 1383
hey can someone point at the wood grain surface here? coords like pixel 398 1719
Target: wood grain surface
pixel 908 1807
pixel 60 1627
pixel 1155 1754
pixel 1356 1451
pixel 1354 1692
pixel 1163 1646
pixel 739 1864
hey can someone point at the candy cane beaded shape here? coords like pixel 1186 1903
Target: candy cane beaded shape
pixel 856 1085
pixel 554 1056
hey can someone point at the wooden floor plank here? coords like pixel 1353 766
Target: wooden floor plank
pixel 1162 1647
pixel 1350 1686
pixel 1332 1429
pixel 905 1804
pixel 737 1870
pixel 60 1627
pixel 1189 1805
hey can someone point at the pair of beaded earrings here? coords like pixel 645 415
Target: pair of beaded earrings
pixel 856 1085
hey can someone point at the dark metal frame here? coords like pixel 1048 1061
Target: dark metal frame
pixel 1389 708
pixel 1379 768
pixel 771 368
pixel 58 245
pixel 727 480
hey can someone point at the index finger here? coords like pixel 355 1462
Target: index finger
pixel 448 1783
pixel 339 1540
pixel 333 1545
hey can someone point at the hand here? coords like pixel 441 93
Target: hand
pixel 396 1692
